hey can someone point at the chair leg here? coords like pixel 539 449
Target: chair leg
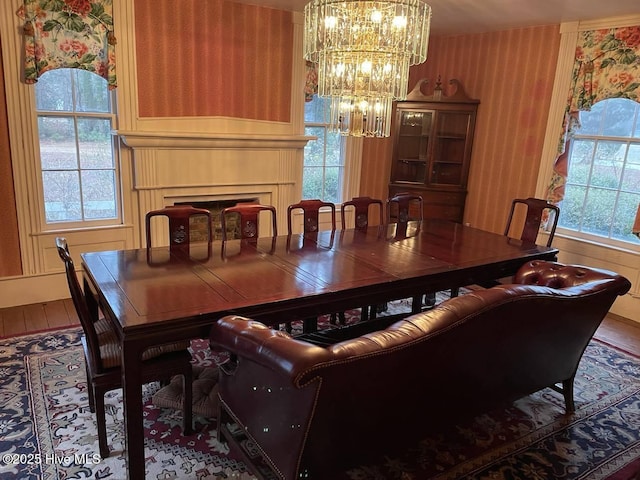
pixel 342 318
pixel 92 401
pixel 455 292
pixel 102 423
pixel 430 299
pixel 310 325
pixel 333 319
pixel 187 399
pixel 416 304
pixel 567 393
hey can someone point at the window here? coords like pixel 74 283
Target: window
pixel 603 183
pixel 323 174
pixel 77 155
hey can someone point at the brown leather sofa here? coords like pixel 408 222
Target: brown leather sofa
pixel 312 411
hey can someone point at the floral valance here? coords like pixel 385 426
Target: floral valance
pixel 68 34
pixel 606 65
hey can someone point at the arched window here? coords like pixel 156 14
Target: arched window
pixel 602 189
pixel 80 181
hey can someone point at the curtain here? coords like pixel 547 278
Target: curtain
pixel 606 65
pixel 311 84
pixel 68 34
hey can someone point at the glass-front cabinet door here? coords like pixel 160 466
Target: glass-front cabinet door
pixel 450 141
pixel 414 137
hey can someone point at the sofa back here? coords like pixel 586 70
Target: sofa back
pixel 360 397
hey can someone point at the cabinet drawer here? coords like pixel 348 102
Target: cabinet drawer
pixel 443 212
pixel 429 197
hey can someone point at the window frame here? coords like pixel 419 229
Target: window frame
pixel 625 141
pixel 112 115
pixel 342 166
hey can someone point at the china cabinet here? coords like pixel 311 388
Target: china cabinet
pixel 432 149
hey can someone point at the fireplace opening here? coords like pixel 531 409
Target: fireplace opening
pixel 198 227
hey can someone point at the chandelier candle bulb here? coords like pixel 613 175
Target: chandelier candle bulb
pixel 363 50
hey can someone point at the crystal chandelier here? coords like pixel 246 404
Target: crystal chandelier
pixel 363 50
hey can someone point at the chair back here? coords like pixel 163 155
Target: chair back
pixel 361 206
pixel 311 211
pixel 537 211
pixel 80 304
pixel 179 217
pixel 404 207
pixel 249 214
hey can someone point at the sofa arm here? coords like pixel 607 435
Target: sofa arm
pixel 273 349
pixel 557 275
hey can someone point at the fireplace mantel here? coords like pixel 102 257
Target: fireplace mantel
pixel 175 140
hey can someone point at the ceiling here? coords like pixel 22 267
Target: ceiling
pixel 451 17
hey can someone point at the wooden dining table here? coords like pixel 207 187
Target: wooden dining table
pixel 162 295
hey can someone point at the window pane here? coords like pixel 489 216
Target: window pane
pixel 98 194
pixel 571 208
pixel 313 184
pixel 95 144
pixel 314 149
pixel 624 216
pixel 608 164
pixel 317 110
pixel 57 143
pixel 91 92
pixel 334 152
pixel 580 160
pixel 631 179
pixel 61 196
pixel 332 184
pixel 53 91
pixel 618 118
pixel 598 210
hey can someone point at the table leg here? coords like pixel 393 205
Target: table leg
pixel 132 400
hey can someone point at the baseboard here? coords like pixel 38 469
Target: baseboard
pixel 25 290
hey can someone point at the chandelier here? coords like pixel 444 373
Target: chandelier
pixel 363 50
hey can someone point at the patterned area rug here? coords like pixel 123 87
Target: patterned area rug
pixel 47 431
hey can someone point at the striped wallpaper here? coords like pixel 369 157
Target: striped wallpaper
pixel 10 263
pixel 511 72
pixel 213 58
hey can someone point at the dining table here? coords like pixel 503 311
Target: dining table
pixel 162 295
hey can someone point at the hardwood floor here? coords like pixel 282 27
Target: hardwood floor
pixel 39 316
pixel 614 330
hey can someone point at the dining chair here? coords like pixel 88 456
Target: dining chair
pixel 102 355
pixel 311 214
pixel 311 225
pixel 248 215
pixel 535 209
pixel 181 219
pixel 362 208
pixel 403 208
